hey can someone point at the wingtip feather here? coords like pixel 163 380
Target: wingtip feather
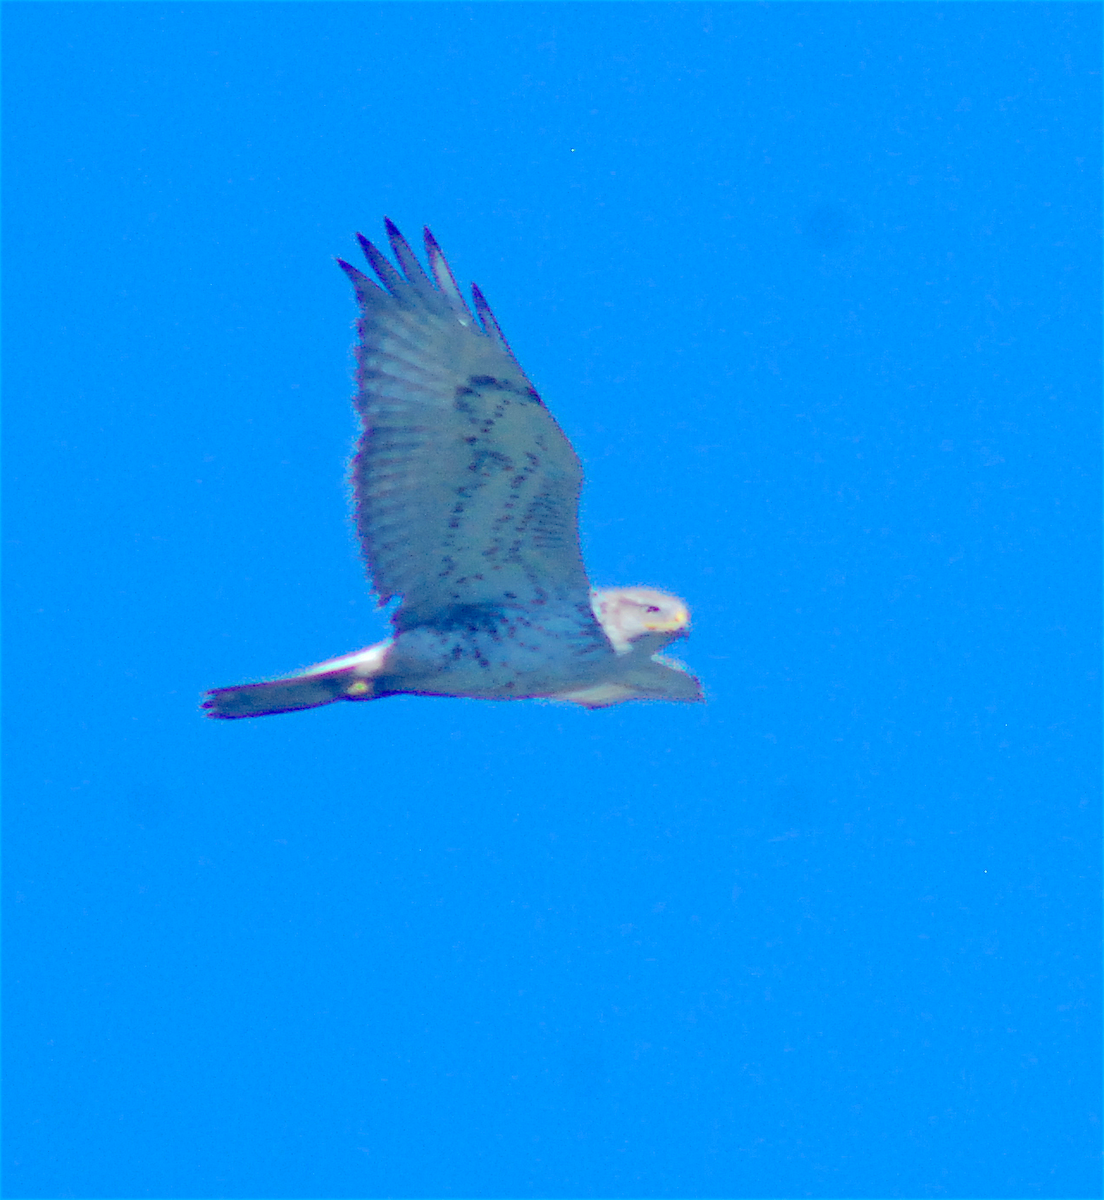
pixel 488 319
pixel 439 283
pixel 389 277
pixel 408 260
pixel 364 288
pixel 442 272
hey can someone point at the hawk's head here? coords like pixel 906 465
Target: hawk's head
pixel 629 614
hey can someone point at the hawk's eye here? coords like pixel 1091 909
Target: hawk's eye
pixel 652 608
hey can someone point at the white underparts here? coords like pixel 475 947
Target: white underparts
pixel 599 696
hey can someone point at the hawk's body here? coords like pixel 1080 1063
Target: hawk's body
pixel 466 503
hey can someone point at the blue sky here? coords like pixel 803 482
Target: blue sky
pixel 814 290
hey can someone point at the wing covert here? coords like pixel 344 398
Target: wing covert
pixel 466 488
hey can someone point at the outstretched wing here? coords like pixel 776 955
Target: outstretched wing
pixel 466 489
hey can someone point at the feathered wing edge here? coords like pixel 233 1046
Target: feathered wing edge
pixel 411 311
pixel 414 280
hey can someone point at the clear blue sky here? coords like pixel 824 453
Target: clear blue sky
pixel 814 289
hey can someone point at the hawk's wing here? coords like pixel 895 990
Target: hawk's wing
pixel 466 489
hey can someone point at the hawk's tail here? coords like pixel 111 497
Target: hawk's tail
pixel 288 695
pixel 351 677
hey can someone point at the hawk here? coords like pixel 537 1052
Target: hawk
pixel 467 496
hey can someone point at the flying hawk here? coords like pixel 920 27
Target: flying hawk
pixel 467 497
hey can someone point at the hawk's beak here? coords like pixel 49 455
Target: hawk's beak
pixel 679 619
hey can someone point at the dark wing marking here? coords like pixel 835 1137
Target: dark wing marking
pixel 466 489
